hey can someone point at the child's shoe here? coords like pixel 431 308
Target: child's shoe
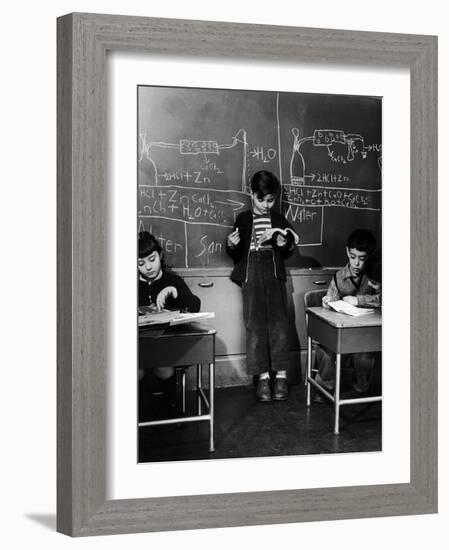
pixel 316 395
pixel 263 390
pixel 280 389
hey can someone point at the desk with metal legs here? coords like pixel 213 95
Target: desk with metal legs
pixel 182 346
pixel 341 334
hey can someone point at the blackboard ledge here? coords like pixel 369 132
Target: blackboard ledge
pixel 226 271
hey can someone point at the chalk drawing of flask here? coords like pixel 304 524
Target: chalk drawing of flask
pixel 147 166
pixel 297 166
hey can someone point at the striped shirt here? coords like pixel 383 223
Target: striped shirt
pixel 260 224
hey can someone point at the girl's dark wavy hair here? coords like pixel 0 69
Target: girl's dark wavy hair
pixel 149 244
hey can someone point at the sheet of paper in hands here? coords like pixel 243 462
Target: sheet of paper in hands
pixel 343 307
pixel 268 234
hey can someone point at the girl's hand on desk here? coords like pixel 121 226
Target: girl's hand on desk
pixel 351 300
pixel 164 294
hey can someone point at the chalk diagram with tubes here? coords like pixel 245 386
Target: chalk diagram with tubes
pixel 188 183
pixel 310 192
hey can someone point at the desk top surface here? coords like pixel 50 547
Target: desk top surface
pixel 341 320
pixel 198 328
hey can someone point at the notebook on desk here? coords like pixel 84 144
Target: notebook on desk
pixel 190 317
pixel 341 306
pixel 151 316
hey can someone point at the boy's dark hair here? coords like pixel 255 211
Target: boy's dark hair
pixel 148 244
pixel 264 183
pixel 362 240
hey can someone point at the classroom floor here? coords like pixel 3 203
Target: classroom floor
pixel 246 428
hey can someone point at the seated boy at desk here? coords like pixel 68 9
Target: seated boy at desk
pixel 353 284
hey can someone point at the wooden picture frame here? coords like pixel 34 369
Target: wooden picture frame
pixel 83 40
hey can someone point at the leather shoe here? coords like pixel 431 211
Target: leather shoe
pixel 263 390
pixel 317 397
pixel 280 389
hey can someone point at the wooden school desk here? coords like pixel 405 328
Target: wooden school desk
pixel 182 346
pixel 341 334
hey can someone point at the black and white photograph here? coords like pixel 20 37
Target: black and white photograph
pixel 268 375
pixel 259 273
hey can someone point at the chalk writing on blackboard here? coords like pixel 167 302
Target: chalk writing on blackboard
pixel 313 190
pixel 200 172
pixel 330 140
pixel 191 204
pixel 194 181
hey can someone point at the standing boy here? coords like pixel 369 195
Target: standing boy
pixel 261 240
pixel 353 285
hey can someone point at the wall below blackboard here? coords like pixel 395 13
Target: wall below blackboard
pixel 198 148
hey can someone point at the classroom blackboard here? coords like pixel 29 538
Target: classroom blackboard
pixel 197 149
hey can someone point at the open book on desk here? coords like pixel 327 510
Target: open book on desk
pixel 182 318
pixel 151 316
pixel 343 307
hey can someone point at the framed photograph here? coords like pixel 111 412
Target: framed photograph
pixel 199 152
pixel 191 149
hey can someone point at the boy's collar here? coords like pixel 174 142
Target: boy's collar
pixel 347 273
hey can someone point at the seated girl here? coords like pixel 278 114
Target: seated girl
pixel 157 284
pixel 161 287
